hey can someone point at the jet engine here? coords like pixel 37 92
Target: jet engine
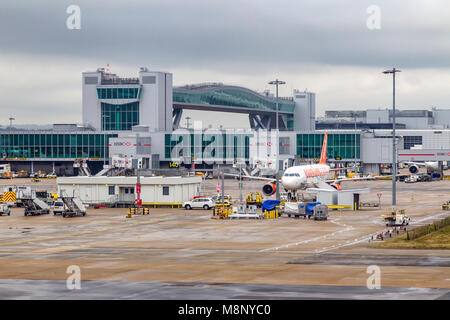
pixel 269 188
pixel 413 168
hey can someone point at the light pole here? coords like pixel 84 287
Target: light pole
pixel 354 115
pixel 187 122
pixel 277 82
pixel 394 149
pixel 10 122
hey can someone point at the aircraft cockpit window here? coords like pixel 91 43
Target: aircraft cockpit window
pixel 291 175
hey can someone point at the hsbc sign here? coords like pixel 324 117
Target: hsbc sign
pixel 121 144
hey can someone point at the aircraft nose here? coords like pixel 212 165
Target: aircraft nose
pixel 288 182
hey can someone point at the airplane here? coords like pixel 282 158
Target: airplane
pixel 299 177
pixel 430 166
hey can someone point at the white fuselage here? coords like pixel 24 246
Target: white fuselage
pixel 297 177
pixel 432 165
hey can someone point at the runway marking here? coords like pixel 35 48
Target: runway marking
pixel 367 237
pixel 82 232
pixel 346 228
pixel 349 242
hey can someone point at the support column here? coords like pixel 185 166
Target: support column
pixel 177 114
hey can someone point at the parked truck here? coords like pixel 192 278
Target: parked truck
pixel 396 217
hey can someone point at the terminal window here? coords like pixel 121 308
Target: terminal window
pixel 117 93
pixel 207 147
pixel 411 141
pixel 51 145
pixel 340 146
pixel 119 117
pixel 165 191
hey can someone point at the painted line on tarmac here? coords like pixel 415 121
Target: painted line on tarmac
pixel 432 217
pixel 67 235
pixel 368 237
pixel 346 228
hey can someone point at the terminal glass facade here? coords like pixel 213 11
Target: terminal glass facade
pixel 118 117
pixel 230 97
pixel 117 93
pixel 288 119
pixel 342 146
pixel 24 146
pixel 217 148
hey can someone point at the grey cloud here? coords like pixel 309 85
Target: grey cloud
pixel 320 44
pixel 236 34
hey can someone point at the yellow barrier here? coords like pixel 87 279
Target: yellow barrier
pixel 157 204
pixel 339 207
pixel 134 210
pixel 272 214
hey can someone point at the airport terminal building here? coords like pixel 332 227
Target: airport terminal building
pixel 126 119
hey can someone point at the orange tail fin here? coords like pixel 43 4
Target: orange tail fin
pixel 323 156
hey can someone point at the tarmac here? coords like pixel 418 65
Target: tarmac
pixel 180 254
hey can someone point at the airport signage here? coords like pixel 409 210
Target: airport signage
pixel 173 164
pixel 121 144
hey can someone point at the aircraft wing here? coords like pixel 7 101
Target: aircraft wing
pixel 363 178
pixel 346 168
pixel 249 177
pixel 352 179
pixel 419 164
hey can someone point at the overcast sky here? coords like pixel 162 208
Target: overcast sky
pixel 323 46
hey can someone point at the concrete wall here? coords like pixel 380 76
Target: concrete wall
pixel 91 113
pixel 414 122
pixel 130 146
pixel 156 100
pixel 376 150
pixel 305 110
pixel 377 116
pixel 441 118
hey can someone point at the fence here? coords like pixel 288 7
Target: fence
pixel 422 231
